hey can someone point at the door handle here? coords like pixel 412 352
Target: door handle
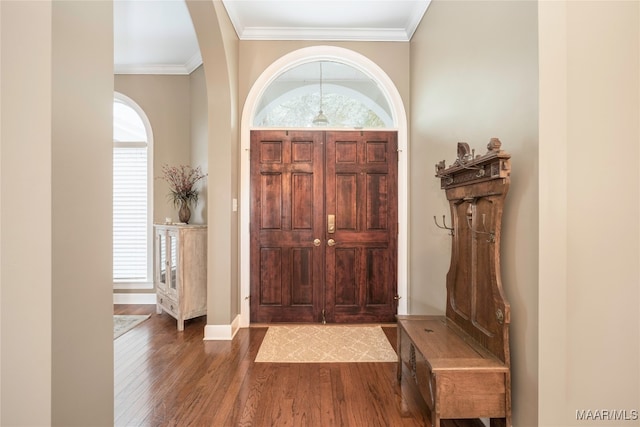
pixel 316 242
pixel 331 242
pixel 331 224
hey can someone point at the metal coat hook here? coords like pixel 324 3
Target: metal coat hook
pixel 444 226
pixel 492 235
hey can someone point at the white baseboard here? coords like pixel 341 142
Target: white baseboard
pixel 222 332
pixel 133 285
pixel 134 298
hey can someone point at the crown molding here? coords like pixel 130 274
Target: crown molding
pixel 150 69
pixel 161 69
pixel 325 34
pixel 416 17
pixel 194 62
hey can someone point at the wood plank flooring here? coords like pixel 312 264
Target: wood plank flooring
pixel 168 378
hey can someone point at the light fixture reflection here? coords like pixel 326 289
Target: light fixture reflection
pixel 320 119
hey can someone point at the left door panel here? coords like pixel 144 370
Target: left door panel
pixel 287 210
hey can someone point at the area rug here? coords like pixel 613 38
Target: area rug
pixel 325 344
pixel 125 322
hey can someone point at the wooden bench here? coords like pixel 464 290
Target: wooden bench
pixel 460 362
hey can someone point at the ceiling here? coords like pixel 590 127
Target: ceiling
pixel 157 36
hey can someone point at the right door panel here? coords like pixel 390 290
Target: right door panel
pixel 361 255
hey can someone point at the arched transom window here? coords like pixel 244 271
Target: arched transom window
pixel 323 93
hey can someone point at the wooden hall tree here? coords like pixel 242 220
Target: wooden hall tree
pixel 461 361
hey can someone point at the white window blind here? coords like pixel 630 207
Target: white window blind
pixel 130 198
pixel 130 214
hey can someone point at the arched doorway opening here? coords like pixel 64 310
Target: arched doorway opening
pixel 398 115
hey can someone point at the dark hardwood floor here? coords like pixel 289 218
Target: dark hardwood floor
pixel 168 378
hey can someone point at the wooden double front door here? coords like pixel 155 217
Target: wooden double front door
pixel 324 226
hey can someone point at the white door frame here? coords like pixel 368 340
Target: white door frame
pixel 364 64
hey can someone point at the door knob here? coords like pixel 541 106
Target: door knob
pixel 316 242
pixel 331 242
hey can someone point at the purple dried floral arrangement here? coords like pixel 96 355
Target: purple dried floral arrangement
pixel 182 182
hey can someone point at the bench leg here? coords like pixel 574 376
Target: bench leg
pixel 399 347
pixel 435 418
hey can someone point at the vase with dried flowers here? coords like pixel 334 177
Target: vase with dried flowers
pixel 182 182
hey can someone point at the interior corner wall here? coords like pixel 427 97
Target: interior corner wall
pixel 589 213
pixel 81 215
pixel 25 213
pixel 474 76
pixel 231 44
pixel 165 99
pixel 199 138
pixel 218 47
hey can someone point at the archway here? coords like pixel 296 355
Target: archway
pixel 356 60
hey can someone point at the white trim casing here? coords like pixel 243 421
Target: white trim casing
pixel 222 332
pixel 368 67
pixel 132 285
pixel 134 298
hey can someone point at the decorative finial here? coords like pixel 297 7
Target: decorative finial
pixel 494 144
pixel 464 153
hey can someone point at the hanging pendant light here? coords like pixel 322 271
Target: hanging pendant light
pixel 320 119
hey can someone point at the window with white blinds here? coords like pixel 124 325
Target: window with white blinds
pixel 131 190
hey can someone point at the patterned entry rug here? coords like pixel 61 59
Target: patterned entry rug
pixel 325 343
pixel 124 322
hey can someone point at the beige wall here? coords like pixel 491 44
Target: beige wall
pixel 589 223
pixel 177 111
pixel 166 101
pixel 81 183
pixel 56 132
pixel 25 234
pixel 473 77
pixel 199 138
pixel 231 49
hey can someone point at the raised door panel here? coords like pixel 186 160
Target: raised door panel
pixel 460 273
pixel 484 316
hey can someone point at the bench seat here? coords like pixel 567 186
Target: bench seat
pixel 456 377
